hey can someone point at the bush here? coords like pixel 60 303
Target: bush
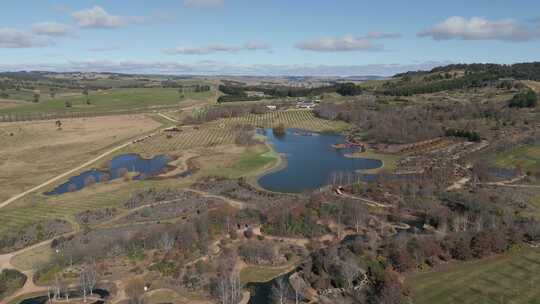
pixel 10 281
pixel 527 99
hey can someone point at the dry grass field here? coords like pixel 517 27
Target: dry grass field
pixel 33 152
pixel 535 85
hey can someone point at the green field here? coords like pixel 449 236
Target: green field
pixel 249 163
pixel 255 274
pixel 110 100
pixel 511 278
pixel 528 157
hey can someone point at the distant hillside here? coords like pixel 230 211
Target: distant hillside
pixel 518 71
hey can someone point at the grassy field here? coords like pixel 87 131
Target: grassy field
pixel 32 259
pixel 33 152
pixel 528 157
pixel 389 160
pixel 512 278
pixel 535 85
pixel 114 99
pixel 256 274
pixel 250 161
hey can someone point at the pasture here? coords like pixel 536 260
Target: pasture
pixel 510 278
pixel 114 100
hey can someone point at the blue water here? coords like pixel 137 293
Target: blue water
pixel 311 161
pixel 117 167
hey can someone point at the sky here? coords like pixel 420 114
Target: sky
pixel 265 37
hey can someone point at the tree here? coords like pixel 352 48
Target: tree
pixel 348 89
pixel 166 241
pixel 85 93
pixel 349 271
pixel 279 130
pixel 36 97
pixel 279 291
pixel 83 282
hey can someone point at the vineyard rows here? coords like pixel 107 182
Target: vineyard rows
pixel 299 119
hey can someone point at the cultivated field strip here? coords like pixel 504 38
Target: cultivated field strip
pixel 221 132
pixel 300 119
pixel 186 140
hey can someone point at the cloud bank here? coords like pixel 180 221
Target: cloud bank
pixel 217 48
pixel 52 29
pixel 97 17
pixel 12 38
pixel 479 28
pixel 347 43
pixel 223 68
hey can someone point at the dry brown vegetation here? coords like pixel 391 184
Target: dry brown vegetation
pixel 33 152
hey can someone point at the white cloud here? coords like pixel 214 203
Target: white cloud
pixel 203 4
pixel 97 17
pixel 12 38
pixel 51 29
pixel 479 28
pixel 217 48
pixel 347 43
pixel 223 68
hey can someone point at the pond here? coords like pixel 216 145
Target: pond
pixel 261 293
pixel 118 167
pixel 310 160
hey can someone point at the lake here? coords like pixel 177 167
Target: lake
pixel 118 167
pixel 310 160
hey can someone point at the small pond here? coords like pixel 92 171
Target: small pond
pixel 118 167
pixel 310 160
pixel 261 293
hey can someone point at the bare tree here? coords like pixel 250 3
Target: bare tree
pixel 350 271
pixel 83 282
pixel 279 291
pixel 166 241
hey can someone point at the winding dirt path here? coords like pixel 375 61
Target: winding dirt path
pixel 233 203
pixel 366 201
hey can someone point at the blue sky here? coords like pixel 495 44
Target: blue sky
pixel 340 37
